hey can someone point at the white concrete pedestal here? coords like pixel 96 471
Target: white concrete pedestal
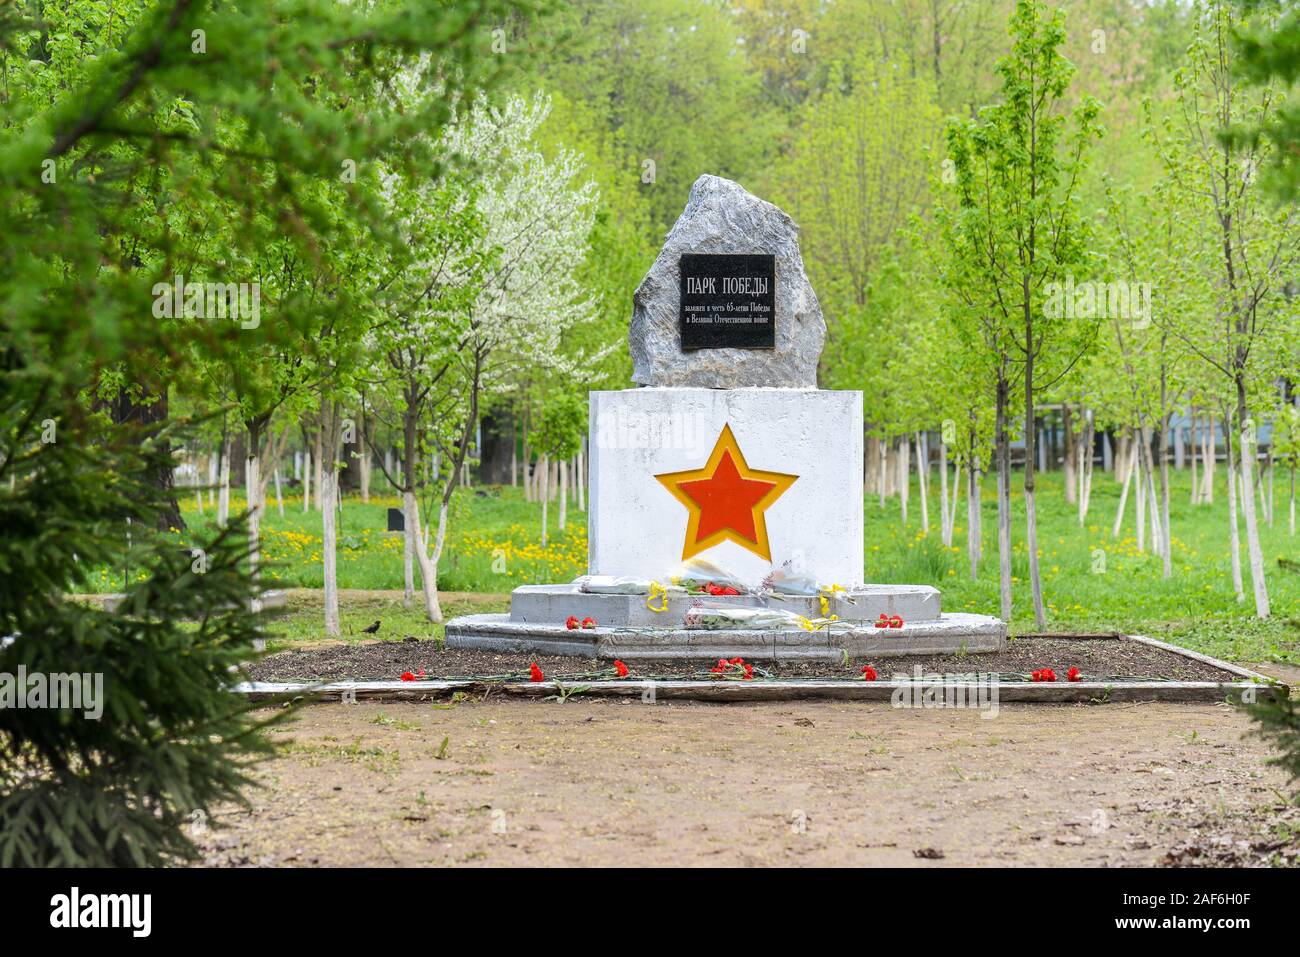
pixel 636 525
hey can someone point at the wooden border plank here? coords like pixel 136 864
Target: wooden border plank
pixel 775 690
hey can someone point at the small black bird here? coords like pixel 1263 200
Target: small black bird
pixel 373 629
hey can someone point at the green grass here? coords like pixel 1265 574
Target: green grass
pixel 301 622
pixel 1090 581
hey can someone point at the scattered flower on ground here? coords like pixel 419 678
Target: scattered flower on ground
pixel 535 673
pixel 1044 674
pixel 734 668
pixel 1073 675
pixel 620 668
pixel 868 673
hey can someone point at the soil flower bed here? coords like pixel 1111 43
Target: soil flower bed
pixel 1091 659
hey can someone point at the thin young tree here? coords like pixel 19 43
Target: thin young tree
pixel 1018 165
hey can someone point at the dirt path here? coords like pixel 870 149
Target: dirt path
pixel 595 782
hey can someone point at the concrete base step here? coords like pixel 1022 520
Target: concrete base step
pixel 553 604
pixel 948 634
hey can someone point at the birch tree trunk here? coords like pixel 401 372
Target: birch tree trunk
pixel 363 459
pixel 1166 545
pixel 319 460
pixel 1234 540
pixel 1209 461
pixel 306 482
pixel 581 477
pixel 252 480
pixel 974 520
pixel 1291 522
pixel 1140 491
pixel 870 462
pixel 1193 439
pixel 1253 550
pixel 1004 503
pixel 214 474
pixel 1031 510
pixel 883 459
pixel 1070 459
pixel 223 498
pixel 543 466
pixel 327 488
pixel 904 473
pixel 945 526
pixel 564 493
pixel 409 525
pixel 329 555
pixel 923 481
pixel 1123 465
pixel 1269 505
pixel 958 469
pixel 428 566
pixel 1084 467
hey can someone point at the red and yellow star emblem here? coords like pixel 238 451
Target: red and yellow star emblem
pixel 726 499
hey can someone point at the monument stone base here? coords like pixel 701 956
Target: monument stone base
pixel 629 630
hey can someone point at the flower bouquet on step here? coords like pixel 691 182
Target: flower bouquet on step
pixel 716 616
pixel 702 577
pixel 621 585
pixel 792 579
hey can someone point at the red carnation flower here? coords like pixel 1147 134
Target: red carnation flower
pixel 535 673
pixel 407 676
pixel 868 673
pixel 1073 675
pixel 1044 674
pixel 895 622
pixel 749 672
pixel 589 623
pixel 571 622
pixel 620 668
pixel 882 621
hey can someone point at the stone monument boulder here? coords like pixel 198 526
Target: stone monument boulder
pixel 721 217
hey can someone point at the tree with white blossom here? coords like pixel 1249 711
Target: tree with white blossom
pixel 488 292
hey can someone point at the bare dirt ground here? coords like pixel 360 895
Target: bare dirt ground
pixel 586 782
